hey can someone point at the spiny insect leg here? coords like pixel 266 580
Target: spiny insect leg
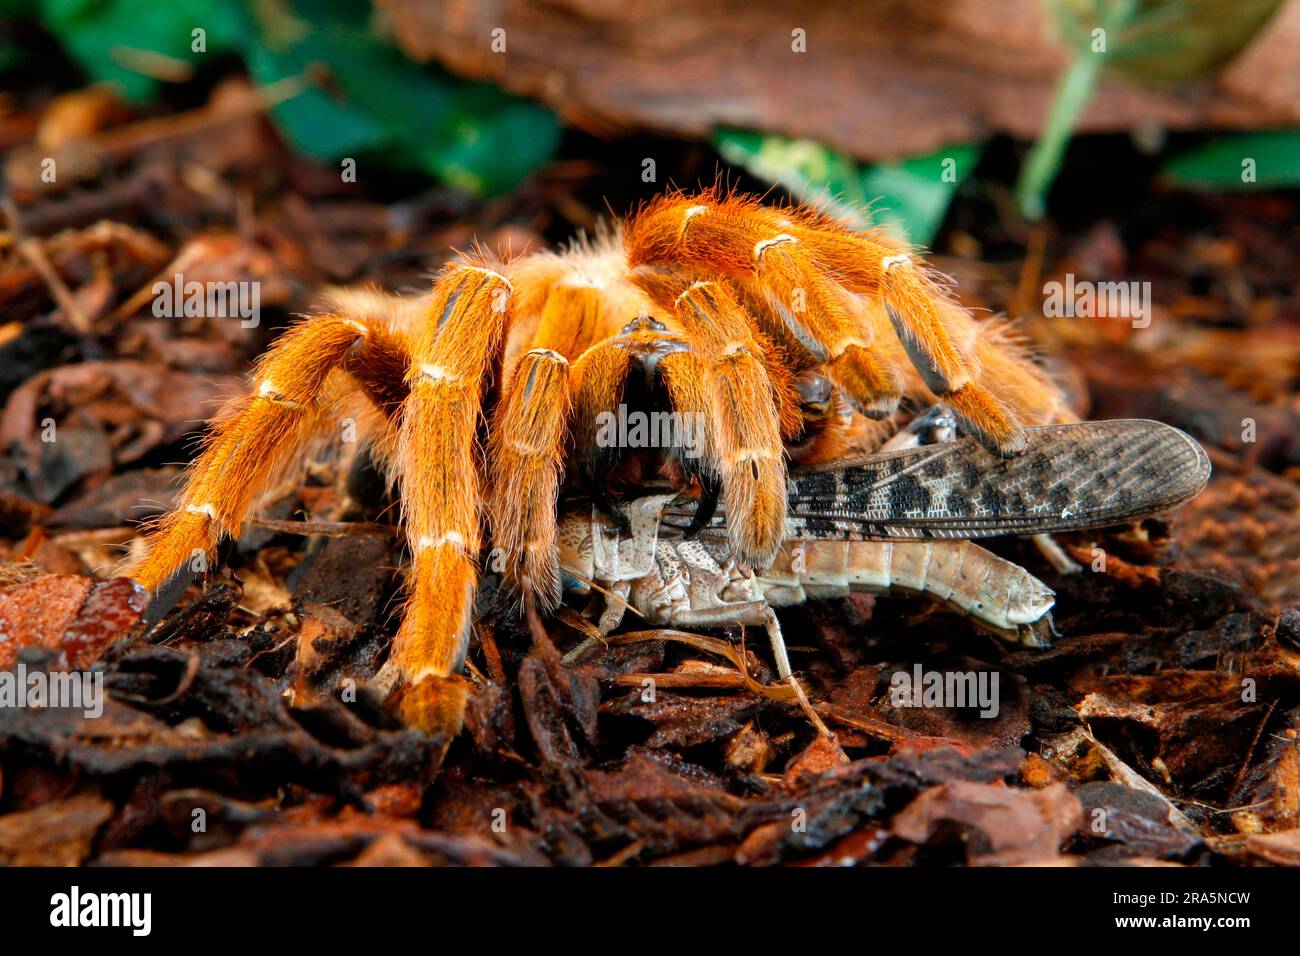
pixel 760 614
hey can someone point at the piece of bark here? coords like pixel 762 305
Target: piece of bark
pixel 999 825
pixel 57 834
pixel 878 80
pixel 72 614
pixel 1281 849
pixel 1136 820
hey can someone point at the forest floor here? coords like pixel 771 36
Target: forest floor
pixel 1171 700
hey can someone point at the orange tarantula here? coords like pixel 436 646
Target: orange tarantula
pixel 778 328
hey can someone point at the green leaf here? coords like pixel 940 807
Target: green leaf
pixel 916 193
pixel 101 34
pixel 1222 163
pixel 910 197
pixel 324 124
pixel 1162 42
pixel 1158 42
pixel 1073 90
pixel 379 103
pixel 373 103
pixel 489 151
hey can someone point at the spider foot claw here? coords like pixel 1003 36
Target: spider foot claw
pixel 985 417
pixel 435 705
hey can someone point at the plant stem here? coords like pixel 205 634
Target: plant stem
pixel 1072 94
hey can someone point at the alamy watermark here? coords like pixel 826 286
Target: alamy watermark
pixel 214 300
pixel 56 690
pixel 1105 300
pixel 638 429
pixel 74 908
pixel 922 688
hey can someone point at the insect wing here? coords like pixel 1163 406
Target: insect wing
pixel 1071 477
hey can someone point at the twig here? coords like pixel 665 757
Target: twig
pixel 486 641
pixel 34 253
pixel 123 141
pixel 709 645
pixel 326 529
pixel 1250 751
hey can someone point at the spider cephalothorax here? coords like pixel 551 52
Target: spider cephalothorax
pixel 490 392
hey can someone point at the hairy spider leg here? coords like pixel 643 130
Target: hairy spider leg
pixel 808 265
pixel 255 435
pixel 530 430
pixel 455 354
pixel 938 335
pixel 739 405
pixel 749 244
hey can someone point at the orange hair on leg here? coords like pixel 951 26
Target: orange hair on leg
pixel 529 431
pixel 455 354
pixel 598 378
pixel 1012 375
pixel 253 436
pixel 757 246
pixel 747 452
pixel 926 321
pixel 526 449
pixel 573 319
pixel 793 254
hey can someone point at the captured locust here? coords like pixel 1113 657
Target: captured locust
pixel 898 520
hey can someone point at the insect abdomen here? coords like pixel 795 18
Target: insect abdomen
pixel 961 574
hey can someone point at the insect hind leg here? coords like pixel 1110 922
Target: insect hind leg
pixel 758 614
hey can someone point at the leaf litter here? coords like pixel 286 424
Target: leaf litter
pixel 1160 727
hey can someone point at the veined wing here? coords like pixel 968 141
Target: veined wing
pixel 1071 477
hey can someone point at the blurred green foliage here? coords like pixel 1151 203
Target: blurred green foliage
pixel 1163 42
pixel 374 102
pixel 1157 42
pixel 909 197
pixel 1273 157
pixel 96 33
pixel 363 99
